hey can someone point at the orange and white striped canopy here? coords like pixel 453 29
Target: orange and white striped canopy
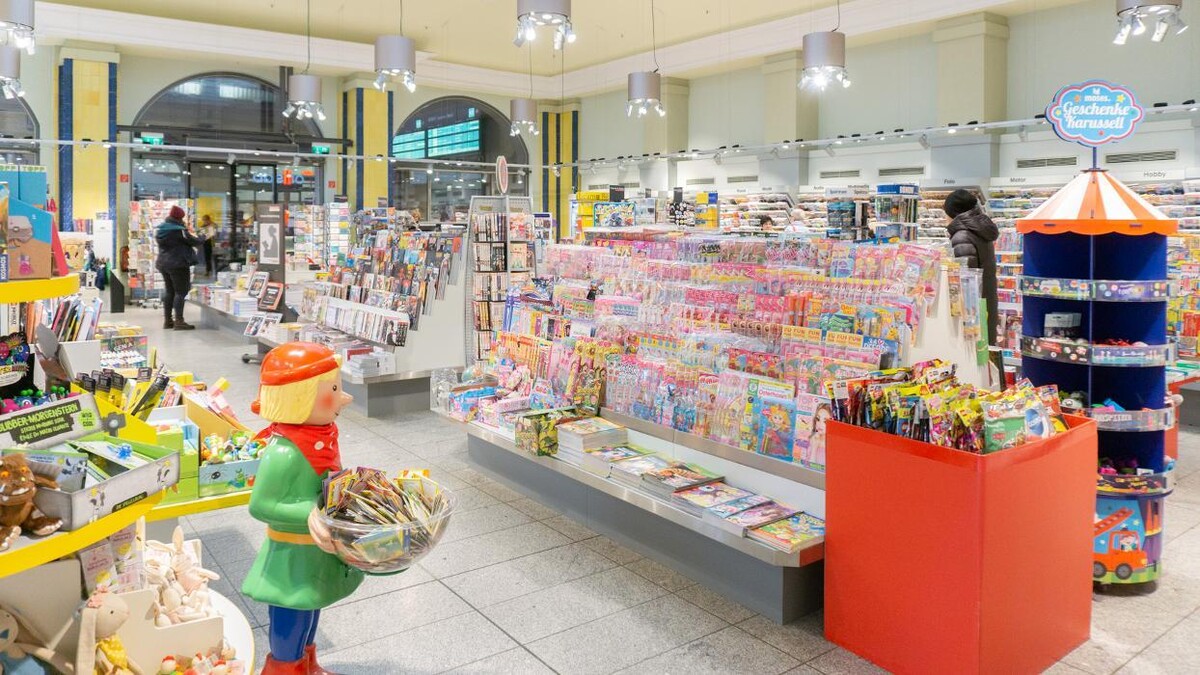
pixel 1096 203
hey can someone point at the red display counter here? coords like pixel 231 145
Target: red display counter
pixel 942 561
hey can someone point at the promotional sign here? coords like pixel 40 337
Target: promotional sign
pixel 1094 113
pixel 502 174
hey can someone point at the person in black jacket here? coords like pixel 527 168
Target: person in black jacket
pixel 972 236
pixel 176 255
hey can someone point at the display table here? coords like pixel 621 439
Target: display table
pixel 212 318
pixel 238 632
pixel 781 586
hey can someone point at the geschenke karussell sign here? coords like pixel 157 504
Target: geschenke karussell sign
pixel 1093 113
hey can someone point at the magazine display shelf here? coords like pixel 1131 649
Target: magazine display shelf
pixel 1094 231
pixel 989 549
pixel 212 318
pixel 781 586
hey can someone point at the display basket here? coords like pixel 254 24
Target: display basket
pixel 944 561
pixel 388 549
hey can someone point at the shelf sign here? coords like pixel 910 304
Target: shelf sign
pixel 1093 113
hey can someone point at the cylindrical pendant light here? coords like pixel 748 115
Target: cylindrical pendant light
pixel 644 94
pixel 523 113
pixel 304 97
pixel 825 60
pixel 16 24
pixel 10 72
pixel 534 13
pixel 395 56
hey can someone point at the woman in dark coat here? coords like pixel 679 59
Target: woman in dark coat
pixel 973 236
pixel 176 255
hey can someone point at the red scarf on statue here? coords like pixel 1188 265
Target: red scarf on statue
pixel 318 443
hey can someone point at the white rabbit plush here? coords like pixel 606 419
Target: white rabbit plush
pixel 15 653
pixel 181 583
pixel 100 651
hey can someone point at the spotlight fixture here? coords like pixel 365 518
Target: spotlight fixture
pixel 717 158
pixel 304 98
pixel 953 128
pixel 1023 134
pixel 16 25
pixel 644 94
pixel 924 141
pixel 784 146
pixel 534 13
pixel 824 60
pixel 429 170
pixel 395 57
pixel 557 171
pixel 10 72
pixel 1192 103
pixel 1133 15
pixel 523 113
pixel 829 149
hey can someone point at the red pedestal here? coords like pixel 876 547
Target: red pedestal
pixel 942 561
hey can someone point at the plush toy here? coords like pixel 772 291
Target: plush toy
pixel 100 650
pixel 18 485
pixel 180 583
pixel 23 658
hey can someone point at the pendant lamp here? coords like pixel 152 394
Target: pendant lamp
pixel 1134 15
pixel 10 72
pixel 824 60
pixel 395 57
pixel 645 94
pixel 523 113
pixel 16 24
pixel 534 13
pixel 304 98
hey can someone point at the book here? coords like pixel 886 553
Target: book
pixel 697 499
pixel 64 466
pixel 258 282
pixel 790 533
pixel 600 460
pixel 271 296
pixel 677 476
pixel 629 471
pixel 588 433
pixel 719 512
pixel 757 516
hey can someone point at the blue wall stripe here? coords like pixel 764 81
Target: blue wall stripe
pixel 358 144
pixel 66 157
pixel 112 152
pixel 391 129
pixel 345 134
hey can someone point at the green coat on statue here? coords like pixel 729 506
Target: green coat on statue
pixel 292 575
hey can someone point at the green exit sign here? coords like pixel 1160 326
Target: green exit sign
pixel 320 149
pixel 151 138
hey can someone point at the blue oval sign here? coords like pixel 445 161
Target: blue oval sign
pixel 1094 113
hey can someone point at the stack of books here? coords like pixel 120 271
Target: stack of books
pixel 574 438
pixel 676 476
pixel 747 513
pixel 697 500
pixel 628 472
pixel 600 460
pixel 790 534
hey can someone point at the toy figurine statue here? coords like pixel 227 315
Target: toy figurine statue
pixel 300 393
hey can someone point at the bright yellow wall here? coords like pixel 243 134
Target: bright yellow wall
pixel 89 102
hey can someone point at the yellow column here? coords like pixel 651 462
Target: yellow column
pixel 972 53
pixel 559 145
pixel 367 120
pixel 87 111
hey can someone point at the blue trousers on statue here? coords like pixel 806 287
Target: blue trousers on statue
pixel 291 631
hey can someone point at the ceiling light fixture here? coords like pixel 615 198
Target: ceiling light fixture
pixel 644 93
pixel 522 112
pixel 304 90
pixel 825 58
pixel 16 24
pixel 395 57
pixel 10 72
pixel 534 13
pixel 1133 15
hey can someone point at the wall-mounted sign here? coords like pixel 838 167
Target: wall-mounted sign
pixel 1094 113
pixel 321 148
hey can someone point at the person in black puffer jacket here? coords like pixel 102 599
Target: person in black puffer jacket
pixel 176 255
pixel 973 236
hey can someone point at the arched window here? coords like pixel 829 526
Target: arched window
pixel 452 129
pixel 226 106
pixel 17 121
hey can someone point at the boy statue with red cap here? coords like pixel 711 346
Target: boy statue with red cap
pixel 295 573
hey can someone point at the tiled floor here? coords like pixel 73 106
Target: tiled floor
pixel 516 587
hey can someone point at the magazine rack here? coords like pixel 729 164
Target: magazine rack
pixel 944 561
pixel 1099 251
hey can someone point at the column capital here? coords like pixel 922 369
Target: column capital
pixel 359 81
pixel 88 52
pixel 786 62
pixel 982 24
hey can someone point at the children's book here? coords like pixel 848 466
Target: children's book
pixel 600 460
pixel 720 512
pixel 791 533
pixel 629 471
pixel 677 476
pixel 776 419
pixel 812 413
pixel 64 466
pixel 757 516
pixel 696 499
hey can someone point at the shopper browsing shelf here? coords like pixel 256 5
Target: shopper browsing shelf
pixel 176 255
pixel 973 236
pixel 208 231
